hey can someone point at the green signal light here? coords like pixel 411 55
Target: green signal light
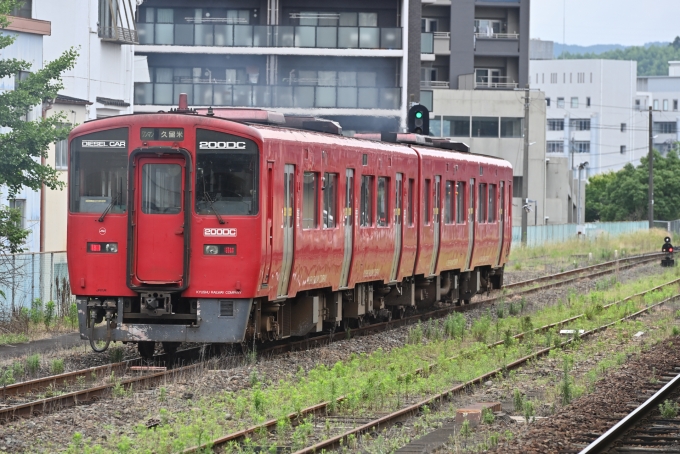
pixel 419 115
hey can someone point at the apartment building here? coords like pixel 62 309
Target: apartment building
pixel 662 93
pixel 29 30
pixel 354 62
pixel 590 112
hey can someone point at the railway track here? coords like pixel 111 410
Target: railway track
pixel 60 391
pixel 325 416
pixel 646 429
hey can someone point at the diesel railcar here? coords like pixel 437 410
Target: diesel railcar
pixel 186 226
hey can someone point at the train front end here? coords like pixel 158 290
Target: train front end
pixel 164 231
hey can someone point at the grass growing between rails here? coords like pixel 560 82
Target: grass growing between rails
pixel 380 382
pixel 12 338
pixel 576 250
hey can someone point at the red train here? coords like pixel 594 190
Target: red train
pixel 186 226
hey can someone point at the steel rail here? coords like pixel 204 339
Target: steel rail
pixel 651 404
pixel 69 399
pixel 322 407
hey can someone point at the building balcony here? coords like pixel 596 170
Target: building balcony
pixel 497 35
pixel 269 96
pixel 434 84
pixel 224 35
pixel 442 43
pixel 492 46
pixel 427 43
pixel 118 35
pixel 470 82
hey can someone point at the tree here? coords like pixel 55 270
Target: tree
pixel 22 148
pixel 676 43
pixel 622 195
pixel 652 60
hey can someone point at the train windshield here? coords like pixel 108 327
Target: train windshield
pixel 98 172
pixel 226 174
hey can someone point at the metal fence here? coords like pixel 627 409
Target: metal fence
pixel 26 277
pixel 672 227
pixel 542 234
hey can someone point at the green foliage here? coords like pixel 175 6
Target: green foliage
pixel 36 312
pixel 415 335
pixel 454 326
pixel 50 310
pixel 33 364
pixel 518 400
pixel 652 60
pixel 72 315
pixel 676 331
pixel 7 377
pixel 465 429
pixel 57 367
pixel 116 354
pixel 622 195
pixel 488 416
pixel 26 142
pixel 480 328
pixel 668 409
pixel 566 389
pixel 529 411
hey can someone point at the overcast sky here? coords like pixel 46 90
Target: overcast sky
pixel 627 22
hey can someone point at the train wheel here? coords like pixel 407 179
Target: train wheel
pixel 464 302
pixel 399 312
pixel 146 349
pixel 170 348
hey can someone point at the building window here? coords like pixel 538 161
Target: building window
pixel 556 124
pixel 542 78
pixel 481 203
pixel 581 78
pixel 381 202
pixel 330 188
pixel 665 104
pixel 560 103
pixel 675 104
pixel 547 102
pixel 623 149
pixel 310 201
pixel 574 103
pixel 484 126
pixel 511 127
pixel 656 104
pixel 61 155
pixel 553 78
pixel 460 202
pixel 623 127
pixel 23 9
pixel 517 187
pixel 20 205
pixel 436 126
pixel 588 101
pixel 426 202
pixel 580 124
pixel 637 104
pixel 581 147
pixel 429 25
pixel 591 78
pixel 456 127
pixel 571 78
pixel 366 201
pixel 555 146
pixel 665 127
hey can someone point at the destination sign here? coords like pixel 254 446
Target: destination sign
pixel 169 134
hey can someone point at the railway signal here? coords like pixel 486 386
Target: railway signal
pixel 419 119
pixel 668 249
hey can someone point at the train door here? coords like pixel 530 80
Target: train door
pixel 159 221
pixel 397 227
pixel 349 227
pixel 501 223
pixel 269 232
pixel 471 223
pixel 288 228
pixel 435 223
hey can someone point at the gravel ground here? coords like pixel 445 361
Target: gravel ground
pixel 50 433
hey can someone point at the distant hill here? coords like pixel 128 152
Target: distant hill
pixel 597 48
pixel 652 58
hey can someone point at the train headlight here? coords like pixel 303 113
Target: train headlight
pixel 112 247
pixel 105 248
pixel 211 249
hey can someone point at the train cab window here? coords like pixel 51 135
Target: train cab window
pixel 460 202
pixel 330 200
pixel 99 164
pixel 426 201
pixel 161 188
pixel 492 203
pixel 481 203
pixel 382 210
pixel 227 177
pixel 310 201
pixel 449 200
pixel 366 201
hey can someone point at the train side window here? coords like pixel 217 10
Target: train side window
pixel 492 203
pixel 426 202
pixel 449 213
pixel 310 201
pixel 366 200
pixel 460 202
pixel 330 200
pixel 481 203
pixel 382 201
pixel 409 201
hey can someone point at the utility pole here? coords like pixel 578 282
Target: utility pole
pixel 525 168
pixel 650 158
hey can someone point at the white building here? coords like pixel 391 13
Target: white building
pixel 662 94
pixel 590 112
